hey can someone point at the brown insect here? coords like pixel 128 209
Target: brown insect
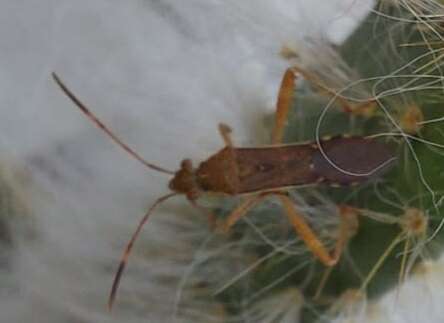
pixel 260 172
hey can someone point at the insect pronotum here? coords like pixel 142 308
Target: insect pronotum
pixel 259 172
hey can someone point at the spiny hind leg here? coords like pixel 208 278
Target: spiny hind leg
pixel 284 101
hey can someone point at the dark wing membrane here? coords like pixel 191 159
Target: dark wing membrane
pixel 357 159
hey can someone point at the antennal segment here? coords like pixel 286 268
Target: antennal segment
pixel 103 127
pixel 129 246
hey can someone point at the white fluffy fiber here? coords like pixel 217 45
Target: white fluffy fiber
pixel 162 74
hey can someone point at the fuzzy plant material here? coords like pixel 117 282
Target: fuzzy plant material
pixel 16 191
pixel 17 223
pixel 162 74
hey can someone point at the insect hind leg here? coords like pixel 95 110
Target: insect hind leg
pixel 365 108
pixel 348 225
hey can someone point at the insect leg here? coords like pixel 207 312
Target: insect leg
pixel 306 233
pixel 347 229
pixel 241 210
pixel 365 108
pixel 283 105
pixel 212 219
pixel 362 109
pixel 348 224
pixel 225 132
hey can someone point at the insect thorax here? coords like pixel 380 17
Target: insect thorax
pixel 219 173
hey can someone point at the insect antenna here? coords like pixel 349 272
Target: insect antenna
pixel 103 127
pixel 129 246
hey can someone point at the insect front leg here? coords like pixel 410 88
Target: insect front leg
pixel 285 98
pixel 225 132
